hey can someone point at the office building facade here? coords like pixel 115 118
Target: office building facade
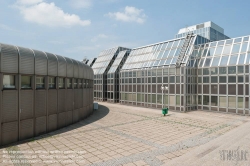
pixel 202 72
pixel 41 92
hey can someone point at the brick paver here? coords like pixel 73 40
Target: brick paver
pixel 124 135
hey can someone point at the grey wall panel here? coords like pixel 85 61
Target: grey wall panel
pixel 62 66
pixel 81 113
pixel 40 125
pixel 26 61
pixel 10 106
pixel 80 98
pixel 84 71
pixel 26 129
pixel 41 63
pixel 9 59
pixel 70 67
pixel 52 122
pixel 62 119
pixel 52 64
pixel 80 70
pixel 52 102
pixel 61 100
pixel 69 116
pixel 40 103
pixel 84 109
pixel 9 132
pixel 26 104
pixel 76 99
pixel 76 68
pixel 85 99
pixel 69 100
pixel 75 116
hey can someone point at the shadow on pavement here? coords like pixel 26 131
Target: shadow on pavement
pixel 93 117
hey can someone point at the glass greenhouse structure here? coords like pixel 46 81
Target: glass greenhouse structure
pixel 101 68
pixel 201 74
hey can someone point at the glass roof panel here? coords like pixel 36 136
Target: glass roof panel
pixel 227 49
pixel 244 47
pixel 236 48
pixel 207 62
pixel 233 60
pixel 215 62
pixel 224 60
pixel 241 59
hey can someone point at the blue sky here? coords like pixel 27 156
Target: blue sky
pixel 83 28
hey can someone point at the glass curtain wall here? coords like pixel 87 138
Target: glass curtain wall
pixel 100 68
pixel 223 75
pixel 113 77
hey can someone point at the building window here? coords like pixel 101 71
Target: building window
pixel 9 82
pixel 69 83
pixel 40 82
pixel 75 83
pixel 52 82
pixel 61 83
pixel 26 82
pixel 80 83
pixel 87 83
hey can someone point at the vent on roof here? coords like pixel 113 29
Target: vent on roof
pixel 199 26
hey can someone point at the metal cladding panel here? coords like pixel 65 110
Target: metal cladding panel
pixel 9 133
pixel 9 59
pixel 92 74
pixel 52 122
pixel 52 102
pixel 62 119
pixel 88 96
pixel 69 116
pixel 85 114
pixel 70 67
pixel 76 69
pixel 75 116
pixel 10 106
pixel 75 99
pixel 52 64
pixel 40 103
pixel 80 70
pixel 80 98
pixel 89 73
pixel 69 100
pixel 61 100
pixel 26 104
pixel 81 114
pixel 84 98
pixel 41 63
pixel 26 129
pixel 26 61
pixel 40 126
pixel 62 66
pixel 84 71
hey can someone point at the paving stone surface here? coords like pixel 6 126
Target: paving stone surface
pixel 124 135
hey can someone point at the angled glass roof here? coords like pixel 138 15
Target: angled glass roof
pixel 229 52
pixel 160 54
pixel 104 59
pixel 117 61
pixel 90 61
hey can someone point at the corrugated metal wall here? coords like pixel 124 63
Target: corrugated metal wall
pixel 26 113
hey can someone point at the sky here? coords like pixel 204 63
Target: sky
pixel 83 28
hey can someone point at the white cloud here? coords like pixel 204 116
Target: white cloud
pixel 29 2
pixel 81 3
pixel 130 14
pixel 97 38
pixel 49 14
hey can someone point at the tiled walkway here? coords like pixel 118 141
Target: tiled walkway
pixel 124 135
